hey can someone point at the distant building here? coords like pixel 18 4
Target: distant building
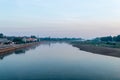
pixel 29 39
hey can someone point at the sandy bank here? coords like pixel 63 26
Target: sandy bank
pixel 99 49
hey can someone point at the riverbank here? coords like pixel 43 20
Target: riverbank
pixel 16 46
pixel 98 49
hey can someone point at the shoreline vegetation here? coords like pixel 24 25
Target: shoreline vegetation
pixel 108 45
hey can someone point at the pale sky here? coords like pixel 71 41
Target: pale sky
pixel 60 18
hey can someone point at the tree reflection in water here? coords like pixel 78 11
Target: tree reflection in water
pixel 23 50
pixel 18 51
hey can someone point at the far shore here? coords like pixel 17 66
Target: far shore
pixel 98 49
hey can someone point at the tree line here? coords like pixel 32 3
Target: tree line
pixel 109 38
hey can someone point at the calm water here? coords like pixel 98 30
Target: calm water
pixel 58 61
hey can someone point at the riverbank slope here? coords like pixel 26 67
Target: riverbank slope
pixel 98 49
pixel 16 46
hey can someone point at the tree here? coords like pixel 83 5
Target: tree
pixel 33 36
pixel 1 35
pixel 107 39
pixel 116 38
pixel 18 40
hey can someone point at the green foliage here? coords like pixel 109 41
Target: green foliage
pixel 107 39
pixel 116 38
pixel 33 36
pixel 110 38
pixel 1 35
pixel 18 40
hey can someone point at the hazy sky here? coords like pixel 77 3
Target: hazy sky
pixel 60 18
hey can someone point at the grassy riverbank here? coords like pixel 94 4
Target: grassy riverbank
pixel 109 49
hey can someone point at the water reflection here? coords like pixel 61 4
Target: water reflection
pixel 23 50
pixel 58 61
pixel 2 55
pixel 18 51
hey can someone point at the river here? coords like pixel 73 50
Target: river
pixel 58 61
